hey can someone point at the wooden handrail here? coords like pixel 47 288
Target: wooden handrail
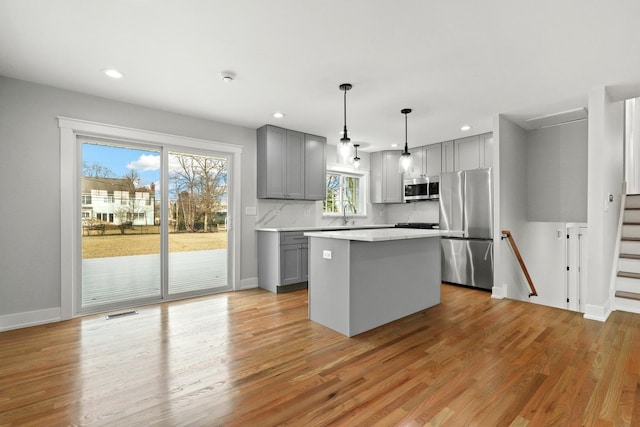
pixel 507 235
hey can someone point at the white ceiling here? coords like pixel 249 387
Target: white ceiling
pixel 453 62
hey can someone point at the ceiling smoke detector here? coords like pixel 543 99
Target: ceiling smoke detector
pixel 227 76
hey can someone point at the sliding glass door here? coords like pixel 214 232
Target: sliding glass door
pixel 137 248
pixel 197 218
pixel 121 256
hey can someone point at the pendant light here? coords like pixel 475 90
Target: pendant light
pixel 356 159
pixel 406 161
pixel 345 148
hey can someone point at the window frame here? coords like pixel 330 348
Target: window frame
pixel 70 213
pixel 363 191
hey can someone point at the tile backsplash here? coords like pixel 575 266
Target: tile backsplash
pixel 273 213
pixel 425 211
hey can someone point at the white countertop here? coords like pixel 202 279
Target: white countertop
pixel 383 234
pixel 327 227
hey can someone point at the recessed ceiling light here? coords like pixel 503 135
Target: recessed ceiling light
pixel 394 145
pixel 278 115
pixel 113 73
pixel 465 128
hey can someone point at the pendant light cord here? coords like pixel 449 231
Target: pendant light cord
pixel 406 145
pixel 344 136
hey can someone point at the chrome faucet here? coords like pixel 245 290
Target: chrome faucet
pixel 347 204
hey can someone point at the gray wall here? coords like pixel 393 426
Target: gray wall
pixel 541 242
pixel 557 173
pixel 606 175
pixel 30 182
pixel 510 209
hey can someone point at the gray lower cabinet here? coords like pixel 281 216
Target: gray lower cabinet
pixel 282 260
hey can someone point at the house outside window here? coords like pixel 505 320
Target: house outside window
pixel 344 194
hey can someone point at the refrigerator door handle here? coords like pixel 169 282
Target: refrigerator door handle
pixel 465 223
pixel 489 252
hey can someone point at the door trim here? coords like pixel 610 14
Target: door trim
pixel 70 243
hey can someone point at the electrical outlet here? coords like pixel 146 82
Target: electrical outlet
pixel 306 212
pixel 327 254
pixel 276 211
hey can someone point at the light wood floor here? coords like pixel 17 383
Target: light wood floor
pixel 252 358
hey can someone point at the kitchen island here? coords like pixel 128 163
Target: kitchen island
pixel 361 279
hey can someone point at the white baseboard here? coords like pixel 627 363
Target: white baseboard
pixel 499 292
pixel 29 318
pixel 598 312
pixel 249 283
pixel 628 305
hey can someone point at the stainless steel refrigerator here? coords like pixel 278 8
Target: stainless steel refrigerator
pixel 466 204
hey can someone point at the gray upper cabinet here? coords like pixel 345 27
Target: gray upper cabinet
pixel 427 161
pixel 284 169
pixel 433 159
pixel 386 179
pixel 467 153
pixel 487 152
pixel 447 157
pixel 315 167
pixel 473 152
pixel 419 163
pixel 294 169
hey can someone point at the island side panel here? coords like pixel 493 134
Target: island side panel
pixel 269 260
pixel 391 280
pixel 329 283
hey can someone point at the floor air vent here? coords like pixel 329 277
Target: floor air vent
pixel 124 313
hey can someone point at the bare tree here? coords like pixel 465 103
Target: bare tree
pixel 185 181
pixel 133 179
pixel 126 213
pixel 96 170
pixel 212 173
pixel 199 184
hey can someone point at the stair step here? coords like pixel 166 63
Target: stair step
pixel 628 295
pixel 627 284
pixel 631 230
pixel 628 274
pixel 633 201
pixel 630 256
pixel 630 247
pixel 631 215
pixel 629 265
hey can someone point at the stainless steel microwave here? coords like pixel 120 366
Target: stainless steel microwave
pixel 422 189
